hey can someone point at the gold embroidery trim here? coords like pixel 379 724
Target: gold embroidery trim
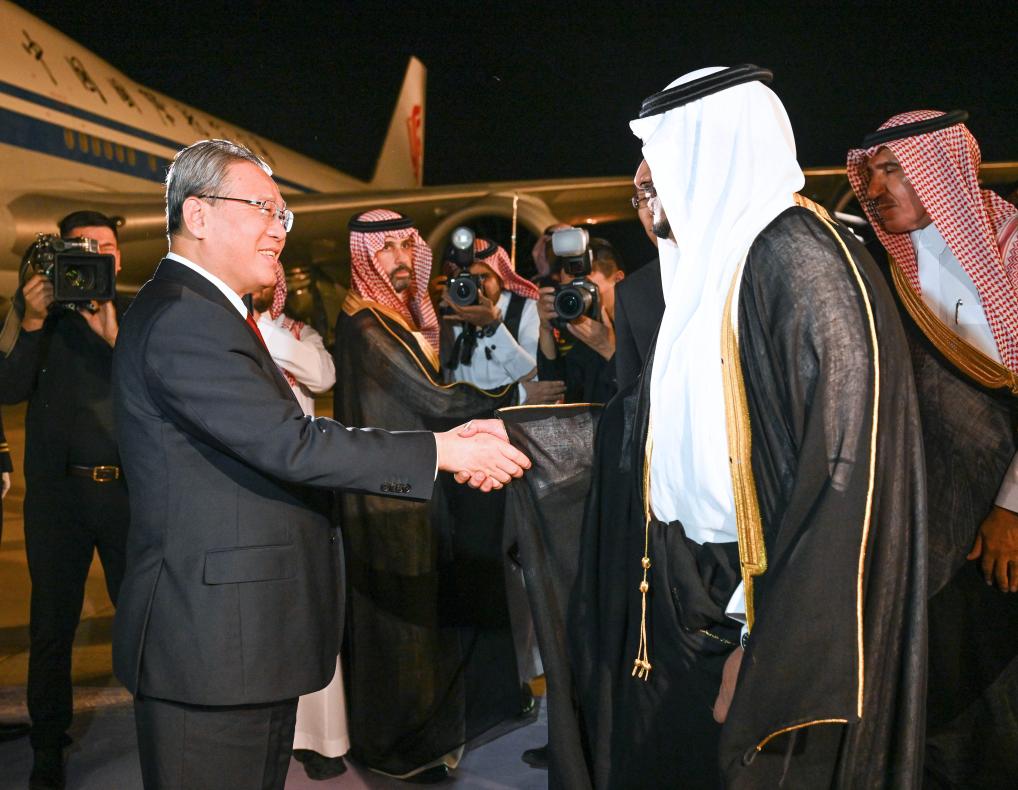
pixel 816 208
pixel 721 639
pixel 773 735
pixel 354 304
pixel 748 524
pixel 873 456
pixel 549 406
pixel 969 360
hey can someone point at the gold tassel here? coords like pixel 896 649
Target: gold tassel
pixel 641 666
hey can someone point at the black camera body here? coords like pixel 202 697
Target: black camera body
pixel 463 289
pixel 580 297
pixel 79 272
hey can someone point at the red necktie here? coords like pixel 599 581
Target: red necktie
pixel 254 328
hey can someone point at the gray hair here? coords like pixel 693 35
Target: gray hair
pixel 200 169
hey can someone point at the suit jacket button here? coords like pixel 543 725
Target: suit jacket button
pixel 386 488
pixel 406 489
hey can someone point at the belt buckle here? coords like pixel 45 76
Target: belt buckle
pixel 105 474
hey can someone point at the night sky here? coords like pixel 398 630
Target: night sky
pixel 522 93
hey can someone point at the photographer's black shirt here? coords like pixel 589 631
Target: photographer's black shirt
pixel 63 370
pixel 589 377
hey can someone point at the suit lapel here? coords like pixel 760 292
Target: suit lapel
pixel 173 271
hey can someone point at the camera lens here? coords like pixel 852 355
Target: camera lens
pixel 571 303
pixel 462 291
pixel 76 278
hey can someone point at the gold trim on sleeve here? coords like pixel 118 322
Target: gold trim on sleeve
pixel 354 304
pixel 969 360
pixel 759 747
pixel 867 517
pixel 748 523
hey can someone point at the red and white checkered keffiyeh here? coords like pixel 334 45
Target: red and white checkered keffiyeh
pixel 370 282
pixel 499 262
pixel 276 310
pixel 943 168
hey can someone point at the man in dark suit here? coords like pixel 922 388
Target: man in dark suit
pixel 75 497
pixel 232 601
pixel 639 299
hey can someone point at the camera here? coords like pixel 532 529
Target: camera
pixel 78 271
pixel 464 287
pixel 579 297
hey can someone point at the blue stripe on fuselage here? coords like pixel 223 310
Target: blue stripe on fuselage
pixel 25 136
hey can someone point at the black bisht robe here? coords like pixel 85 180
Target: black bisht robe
pixel 969 440
pixel 428 656
pixel 808 365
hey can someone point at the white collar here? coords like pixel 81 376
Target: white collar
pixel 929 238
pixel 228 292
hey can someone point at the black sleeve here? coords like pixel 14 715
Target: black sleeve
pixel 20 370
pixel 203 375
pixel 379 358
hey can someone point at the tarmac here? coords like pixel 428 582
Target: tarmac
pixel 104 753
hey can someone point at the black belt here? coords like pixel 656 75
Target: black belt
pixel 98 474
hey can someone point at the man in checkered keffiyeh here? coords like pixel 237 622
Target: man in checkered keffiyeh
pixel 423 676
pixel 953 250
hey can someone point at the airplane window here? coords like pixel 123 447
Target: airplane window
pixel 107 149
pixel 131 158
pixel 69 139
pixel 83 142
pixel 96 148
pixel 119 151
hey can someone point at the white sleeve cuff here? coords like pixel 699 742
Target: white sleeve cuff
pixel 1007 496
pixel 523 394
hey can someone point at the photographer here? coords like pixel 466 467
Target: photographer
pixel 76 498
pixel 494 340
pixel 580 350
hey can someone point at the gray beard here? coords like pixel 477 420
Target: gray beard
pixel 661 228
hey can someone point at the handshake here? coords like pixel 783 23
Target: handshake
pixel 478 453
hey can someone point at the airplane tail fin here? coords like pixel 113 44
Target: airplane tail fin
pixel 401 163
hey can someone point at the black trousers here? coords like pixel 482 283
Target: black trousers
pixel 194 747
pixel 66 521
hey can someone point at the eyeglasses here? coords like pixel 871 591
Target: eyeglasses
pixel 267 207
pixel 643 194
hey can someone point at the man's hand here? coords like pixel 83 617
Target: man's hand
pixel 38 293
pixel 484 313
pixel 539 392
pixel 546 306
pixel 479 454
pixel 729 676
pixel 599 335
pixel 996 548
pixel 103 321
pixel 5 485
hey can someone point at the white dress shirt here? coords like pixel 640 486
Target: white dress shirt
pixel 950 293
pixel 500 360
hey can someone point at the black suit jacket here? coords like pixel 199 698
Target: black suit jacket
pixel 639 306
pixel 233 591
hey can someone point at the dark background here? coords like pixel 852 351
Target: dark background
pixel 523 93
